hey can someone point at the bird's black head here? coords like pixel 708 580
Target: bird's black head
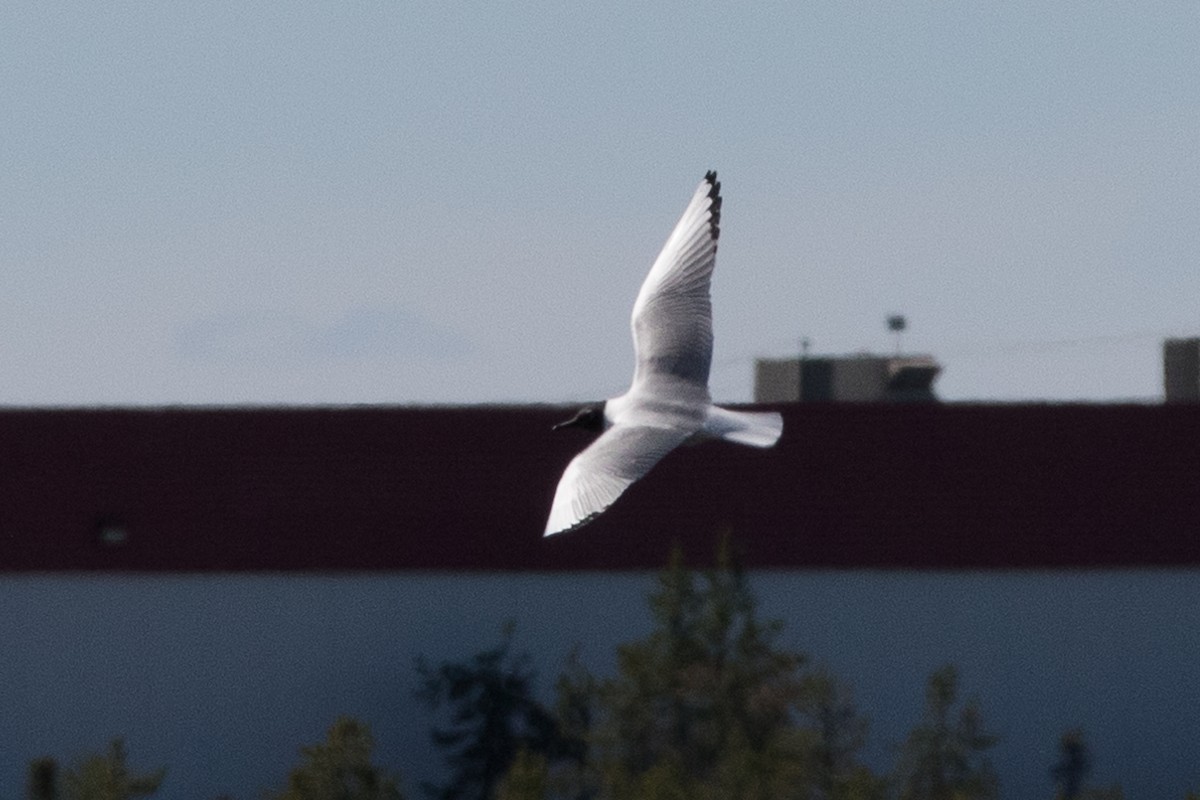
pixel 589 418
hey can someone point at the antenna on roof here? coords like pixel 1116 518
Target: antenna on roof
pixel 896 324
pixel 805 344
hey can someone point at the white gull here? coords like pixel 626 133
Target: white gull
pixel 668 402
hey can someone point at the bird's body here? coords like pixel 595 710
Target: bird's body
pixel 668 402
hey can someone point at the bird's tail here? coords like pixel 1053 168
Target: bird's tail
pixel 754 428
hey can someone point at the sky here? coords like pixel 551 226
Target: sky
pixel 405 202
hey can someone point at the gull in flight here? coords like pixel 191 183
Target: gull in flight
pixel 668 402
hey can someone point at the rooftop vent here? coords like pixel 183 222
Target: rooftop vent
pixel 1181 370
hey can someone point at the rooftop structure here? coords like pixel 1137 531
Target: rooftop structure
pixel 1181 370
pixel 859 378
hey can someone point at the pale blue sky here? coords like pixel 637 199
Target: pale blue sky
pixel 415 202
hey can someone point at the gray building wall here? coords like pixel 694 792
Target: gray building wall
pixel 222 677
pixel 776 380
pixel 860 380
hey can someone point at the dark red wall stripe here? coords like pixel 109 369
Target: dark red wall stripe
pixel 468 488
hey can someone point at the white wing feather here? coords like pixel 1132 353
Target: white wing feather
pixel 596 477
pixel 672 318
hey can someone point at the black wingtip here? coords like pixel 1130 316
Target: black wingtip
pixel 714 194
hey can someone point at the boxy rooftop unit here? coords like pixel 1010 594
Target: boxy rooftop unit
pixel 845 379
pixel 1181 370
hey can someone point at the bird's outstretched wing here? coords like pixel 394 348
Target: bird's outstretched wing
pixel 596 477
pixel 672 318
